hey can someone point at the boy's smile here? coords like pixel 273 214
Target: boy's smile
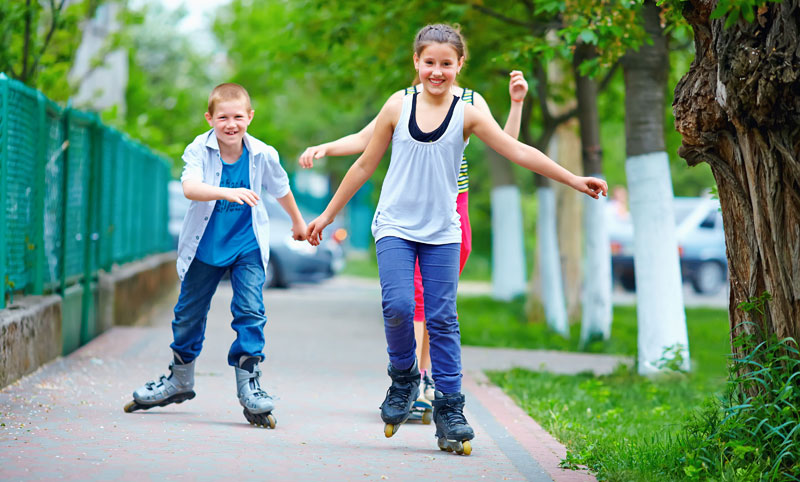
pixel 230 120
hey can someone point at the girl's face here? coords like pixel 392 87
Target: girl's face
pixel 438 64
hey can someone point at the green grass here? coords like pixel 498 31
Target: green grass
pixel 623 426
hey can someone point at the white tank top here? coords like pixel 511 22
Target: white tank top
pixel 418 197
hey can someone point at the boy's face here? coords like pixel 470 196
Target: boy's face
pixel 230 120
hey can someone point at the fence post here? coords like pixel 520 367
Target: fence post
pixel 3 185
pixel 39 265
pixel 90 234
pixel 64 211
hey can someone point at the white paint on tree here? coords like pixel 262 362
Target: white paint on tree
pixel 508 250
pixel 659 295
pixel 596 295
pixel 550 263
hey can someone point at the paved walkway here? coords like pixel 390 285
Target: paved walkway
pixel 326 353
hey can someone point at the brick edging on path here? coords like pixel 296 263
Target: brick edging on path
pixel 542 446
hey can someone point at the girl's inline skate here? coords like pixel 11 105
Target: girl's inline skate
pixel 396 407
pixel 453 433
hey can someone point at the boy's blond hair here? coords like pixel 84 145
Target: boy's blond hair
pixel 227 92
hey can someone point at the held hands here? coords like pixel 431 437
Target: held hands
pixel 299 230
pixel 311 153
pixel 315 227
pixel 517 86
pixel 591 186
pixel 240 195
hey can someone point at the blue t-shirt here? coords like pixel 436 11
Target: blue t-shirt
pixel 229 232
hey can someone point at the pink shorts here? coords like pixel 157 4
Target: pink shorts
pixel 462 208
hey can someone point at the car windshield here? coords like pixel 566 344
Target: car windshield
pixel 683 207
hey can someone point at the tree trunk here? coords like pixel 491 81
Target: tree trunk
pixel 549 261
pixel 738 108
pixel 659 293
pixel 569 209
pixel 596 289
pixel 508 248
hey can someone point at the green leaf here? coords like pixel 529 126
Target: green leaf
pixel 589 37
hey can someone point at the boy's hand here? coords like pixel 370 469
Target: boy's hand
pixel 240 195
pixel 592 186
pixel 315 227
pixel 311 153
pixel 299 230
pixel 517 86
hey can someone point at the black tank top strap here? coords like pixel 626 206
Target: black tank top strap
pixel 434 135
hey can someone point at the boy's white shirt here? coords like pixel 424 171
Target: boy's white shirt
pixel 202 163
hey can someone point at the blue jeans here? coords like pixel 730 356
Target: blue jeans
pixel 438 266
pixel 247 307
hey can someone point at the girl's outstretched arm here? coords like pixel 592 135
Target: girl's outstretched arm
pixel 344 146
pixel 361 170
pixel 476 122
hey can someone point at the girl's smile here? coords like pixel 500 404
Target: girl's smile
pixel 438 65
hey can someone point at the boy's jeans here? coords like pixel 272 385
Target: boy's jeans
pixel 247 307
pixel 438 265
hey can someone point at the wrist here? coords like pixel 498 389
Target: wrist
pixel 518 101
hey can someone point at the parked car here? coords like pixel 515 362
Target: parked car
pixel 701 246
pixel 289 261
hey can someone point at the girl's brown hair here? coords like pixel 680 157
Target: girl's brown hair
pixel 441 34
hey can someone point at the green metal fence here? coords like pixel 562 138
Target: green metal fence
pixel 77 196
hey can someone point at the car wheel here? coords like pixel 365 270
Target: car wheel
pixel 628 282
pixel 709 278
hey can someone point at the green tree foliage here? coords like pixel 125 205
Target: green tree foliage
pixel 40 40
pixel 168 84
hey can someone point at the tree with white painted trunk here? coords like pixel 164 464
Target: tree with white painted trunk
pixel 596 295
pixel 659 296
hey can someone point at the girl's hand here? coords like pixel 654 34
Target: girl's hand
pixel 240 195
pixel 315 227
pixel 299 231
pixel 591 186
pixel 311 153
pixel 517 86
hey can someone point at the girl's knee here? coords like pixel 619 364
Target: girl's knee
pixel 397 311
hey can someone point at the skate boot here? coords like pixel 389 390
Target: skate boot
pixel 428 388
pixel 422 410
pixel 175 388
pixel 453 433
pixel 396 407
pixel 257 404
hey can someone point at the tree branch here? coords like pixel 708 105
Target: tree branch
pixel 56 12
pixel 27 45
pixel 607 79
pixel 513 21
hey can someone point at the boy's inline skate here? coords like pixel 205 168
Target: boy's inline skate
pixel 396 407
pixel 175 388
pixel 453 433
pixel 258 405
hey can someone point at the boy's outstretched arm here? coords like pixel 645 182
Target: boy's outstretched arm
pixel 289 205
pixel 526 156
pixel 344 146
pixel 200 191
pixel 360 171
